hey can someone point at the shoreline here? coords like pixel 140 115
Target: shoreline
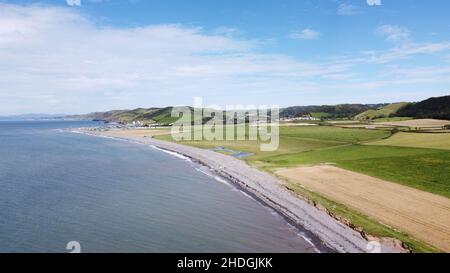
pixel 327 233
pixel 316 243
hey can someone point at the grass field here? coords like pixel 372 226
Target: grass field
pixel 294 140
pixel 418 140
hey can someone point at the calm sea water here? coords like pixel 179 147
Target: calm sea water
pixel 114 196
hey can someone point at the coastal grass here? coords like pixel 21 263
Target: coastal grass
pixel 423 169
pixel 418 140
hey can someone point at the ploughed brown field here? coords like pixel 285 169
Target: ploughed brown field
pixel 423 215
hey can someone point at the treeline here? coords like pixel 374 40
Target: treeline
pixel 332 111
pixel 438 108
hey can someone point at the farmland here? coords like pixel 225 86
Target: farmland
pixel 294 140
pixel 399 206
pixel 424 169
pixel 428 169
pixel 418 140
pixel 386 145
pixel 418 123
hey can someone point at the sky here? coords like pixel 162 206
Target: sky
pixel 80 56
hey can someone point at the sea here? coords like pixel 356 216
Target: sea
pixel 59 189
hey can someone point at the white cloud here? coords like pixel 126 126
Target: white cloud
pixel 57 60
pixel 374 2
pixel 347 9
pixel 407 51
pixel 394 34
pixel 73 2
pixel 305 34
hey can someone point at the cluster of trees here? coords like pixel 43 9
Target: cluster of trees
pixel 438 108
pixel 333 111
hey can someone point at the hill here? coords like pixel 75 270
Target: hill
pixel 383 112
pixel 437 108
pixel 145 115
pixel 329 111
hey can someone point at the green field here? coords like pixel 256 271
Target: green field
pixel 418 140
pixel 294 140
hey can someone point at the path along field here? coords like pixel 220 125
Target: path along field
pixel 423 215
pixel 418 123
pixel 418 140
pixel 136 132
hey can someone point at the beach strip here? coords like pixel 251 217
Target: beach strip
pixel 267 188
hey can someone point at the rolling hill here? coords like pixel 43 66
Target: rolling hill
pixel 145 115
pixel 437 108
pixel 383 112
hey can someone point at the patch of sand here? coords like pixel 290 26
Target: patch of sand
pixel 421 123
pixel 423 215
pixel 365 126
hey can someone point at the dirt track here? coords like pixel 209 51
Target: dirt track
pixel 421 123
pixel 137 132
pixel 423 215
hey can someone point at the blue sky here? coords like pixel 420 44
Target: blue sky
pixel 76 56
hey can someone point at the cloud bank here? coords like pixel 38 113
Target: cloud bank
pixel 394 34
pixel 57 60
pixel 305 34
